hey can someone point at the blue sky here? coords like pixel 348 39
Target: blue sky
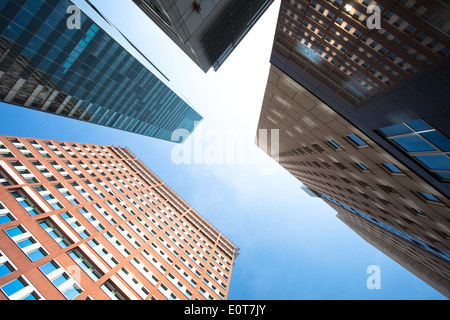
pixel 292 246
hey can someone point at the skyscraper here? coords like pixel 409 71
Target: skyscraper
pixel 91 222
pixel 377 79
pixel 63 57
pixel 207 31
pixel 358 124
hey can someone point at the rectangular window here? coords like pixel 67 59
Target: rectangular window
pixel 357 141
pixel 24 172
pixel 429 197
pixel 5 152
pixel 21 289
pixel 6 266
pixel 66 193
pixel 76 225
pixel 21 147
pixel 103 253
pixel 27 243
pixel 392 168
pixel 5 214
pixel 49 197
pixel 85 264
pixel 26 203
pixel 5 179
pixel 424 144
pixel 334 145
pixel 55 233
pixel 112 292
pixel 61 279
pixel 44 171
pixel 360 166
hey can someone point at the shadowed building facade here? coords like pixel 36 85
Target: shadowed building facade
pixel 207 31
pixel 91 222
pixel 92 74
pixel 363 117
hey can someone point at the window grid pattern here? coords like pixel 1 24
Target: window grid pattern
pixel 126 226
pixel 424 144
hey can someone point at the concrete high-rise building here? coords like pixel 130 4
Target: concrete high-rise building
pixel 82 221
pixel 341 165
pixel 207 31
pixel 363 117
pixel 63 57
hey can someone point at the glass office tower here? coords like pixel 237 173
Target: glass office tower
pixel 207 31
pixel 87 71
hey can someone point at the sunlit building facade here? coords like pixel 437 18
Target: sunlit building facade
pixel 63 57
pixel 207 31
pixel 91 222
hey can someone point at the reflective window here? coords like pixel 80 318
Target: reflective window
pixel 429 197
pixel 392 168
pixel 27 243
pixel 361 166
pixel 334 145
pixel 438 139
pixel 61 279
pixel 424 144
pixel 357 140
pixel 396 130
pixel 413 144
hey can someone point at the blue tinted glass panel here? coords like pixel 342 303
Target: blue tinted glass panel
pixel 438 139
pixel 14 232
pixel 414 144
pixel 419 125
pixel 30 297
pixel 392 168
pixel 429 196
pixel 361 166
pixel 48 268
pixel 65 216
pixel 57 206
pixel 60 280
pixel 72 293
pixel 25 243
pixel 444 175
pixel 24 203
pixel 396 130
pixel 357 140
pixel 334 144
pixel 437 162
pixel 4 270
pixel 5 219
pixel 32 212
pixel 36 255
pixel 13 287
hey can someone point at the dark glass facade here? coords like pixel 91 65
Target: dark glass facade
pixel 207 31
pixel 233 26
pixel 92 74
